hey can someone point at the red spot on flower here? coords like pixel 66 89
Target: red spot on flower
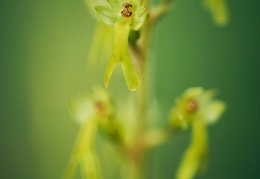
pixel 100 107
pixel 126 11
pixel 192 106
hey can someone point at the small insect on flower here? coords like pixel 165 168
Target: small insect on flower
pixel 126 12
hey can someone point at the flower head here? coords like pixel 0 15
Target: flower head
pixel 124 16
pixel 88 106
pixel 131 12
pixel 196 103
pixel 219 11
pixel 195 108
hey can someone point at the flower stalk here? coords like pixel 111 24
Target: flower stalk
pixel 133 24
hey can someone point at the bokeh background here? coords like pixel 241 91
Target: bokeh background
pixel 43 51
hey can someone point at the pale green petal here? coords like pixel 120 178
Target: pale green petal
pixel 85 147
pixel 140 15
pixel 194 92
pixel 219 11
pixel 140 11
pixel 101 94
pixel 89 160
pixel 114 3
pixel 109 70
pixel 82 108
pixel 107 15
pixel 137 23
pixel 136 3
pixel 178 120
pixel 131 77
pixel 101 45
pixel 196 155
pixel 120 55
pixel 213 111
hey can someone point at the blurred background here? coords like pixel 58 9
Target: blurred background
pixel 43 62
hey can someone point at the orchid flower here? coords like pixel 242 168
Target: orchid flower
pixel 123 16
pixel 196 108
pixel 88 110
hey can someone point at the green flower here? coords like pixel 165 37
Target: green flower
pixel 219 11
pixel 196 108
pixel 88 106
pixel 89 110
pixel 123 16
pixel 196 103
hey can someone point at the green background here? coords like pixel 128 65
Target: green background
pixel 43 52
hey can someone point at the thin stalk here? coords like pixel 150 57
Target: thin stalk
pixel 141 53
pixel 141 56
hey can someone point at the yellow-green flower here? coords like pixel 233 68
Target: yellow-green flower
pixel 196 108
pixel 196 103
pixel 89 106
pixel 89 110
pixel 123 16
pixel 219 11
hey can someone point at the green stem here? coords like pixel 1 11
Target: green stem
pixel 141 52
pixel 141 55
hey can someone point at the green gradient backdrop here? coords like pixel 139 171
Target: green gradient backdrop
pixel 43 51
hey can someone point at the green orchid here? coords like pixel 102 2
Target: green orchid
pixel 89 110
pixel 196 108
pixel 219 11
pixel 89 106
pixel 196 103
pixel 123 16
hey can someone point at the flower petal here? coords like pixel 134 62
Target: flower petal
pixel 114 3
pixel 106 14
pixel 82 108
pixel 137 23
pixel 120 55
pixel 131 77
pixel 213 111
pixel 196 155
pixel 218 9
pixel 109 70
